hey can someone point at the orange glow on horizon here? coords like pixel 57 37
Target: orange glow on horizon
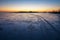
pixel 27 9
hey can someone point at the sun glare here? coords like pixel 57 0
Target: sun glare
pixel 29 8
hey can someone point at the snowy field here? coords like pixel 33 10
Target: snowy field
pixel 29 26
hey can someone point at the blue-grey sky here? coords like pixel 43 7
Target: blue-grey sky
pixel 29 4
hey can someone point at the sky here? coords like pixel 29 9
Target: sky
pixel 29 5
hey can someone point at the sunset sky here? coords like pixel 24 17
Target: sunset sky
pixel 29 5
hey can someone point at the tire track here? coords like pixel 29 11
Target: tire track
pixel 45 21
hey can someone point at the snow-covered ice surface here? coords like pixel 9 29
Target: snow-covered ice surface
pixel 29 26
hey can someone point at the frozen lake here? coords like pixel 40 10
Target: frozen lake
pixel 29 26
